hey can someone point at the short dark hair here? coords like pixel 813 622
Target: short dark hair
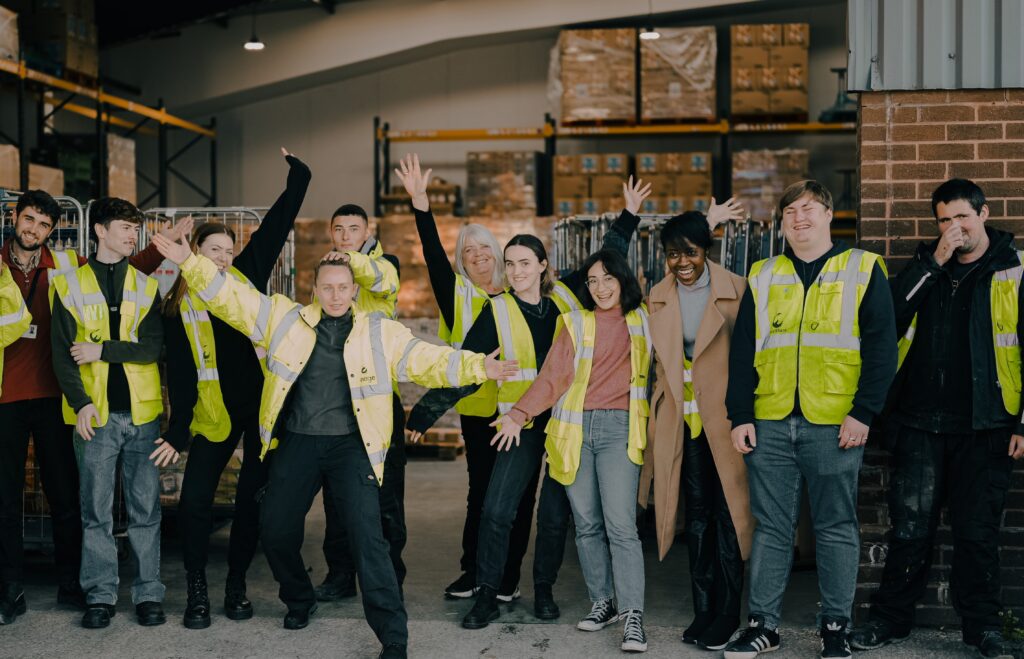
pixel 109 209
pixel 616 265
pixel 351 209
pixel 800 188
pixel 692 227
pixel 41 201
pixel 334 263
pixel 955 189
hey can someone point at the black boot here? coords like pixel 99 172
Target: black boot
pixel 336 587
pixel 12 603
pixel 236 605
pixel 484 610
pixel 197 609
pixel 70 593
pixel 544 606
pixel 700 623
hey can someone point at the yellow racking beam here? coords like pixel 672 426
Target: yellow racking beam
pixel 465 135
pixel 719 128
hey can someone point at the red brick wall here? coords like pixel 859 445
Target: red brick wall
pixel 909 142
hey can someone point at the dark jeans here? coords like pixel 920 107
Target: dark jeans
pixel 716 565
pixel 973 472
pixel 298 469
pixel 514 471
pixel 480 458
pixel 206 462
pixel 41 418
pixel 392 508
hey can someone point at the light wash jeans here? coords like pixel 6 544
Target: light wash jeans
pixel 98 458
pixel 603 499
pixel 789 452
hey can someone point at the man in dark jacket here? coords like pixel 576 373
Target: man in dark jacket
pixel 956 411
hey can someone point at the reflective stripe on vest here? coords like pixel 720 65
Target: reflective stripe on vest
pixel 516 344
pixel 811 342
pixel 564 298
pixel 469 301
pixel 691 414
pixel 565 429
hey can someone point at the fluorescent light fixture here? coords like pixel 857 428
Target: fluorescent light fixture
pixel 650 34
pixel 254 44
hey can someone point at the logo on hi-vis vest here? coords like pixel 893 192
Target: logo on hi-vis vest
pixel 206 353
pixel 95 337
pixel 777 321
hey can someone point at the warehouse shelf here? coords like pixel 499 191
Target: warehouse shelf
pixel 717 128
pixel 802 127
pixel 844 215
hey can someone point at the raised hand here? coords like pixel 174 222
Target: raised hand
pixel 635 194
pixel 415 180
pixel 500 370
pixel 176 231
pixel 509 432
pixel 174 250
pixel 729 210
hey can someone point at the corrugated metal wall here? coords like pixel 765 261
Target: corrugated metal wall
pixel 936 44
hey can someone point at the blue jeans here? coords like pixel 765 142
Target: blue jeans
pixel 98 459
pixel 603 499
pixel 788 453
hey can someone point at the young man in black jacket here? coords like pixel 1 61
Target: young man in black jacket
pixel 956 410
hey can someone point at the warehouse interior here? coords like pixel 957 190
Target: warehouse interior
pixel 531 114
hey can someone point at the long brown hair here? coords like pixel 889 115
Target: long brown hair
pixel 172 302
pixel 533 243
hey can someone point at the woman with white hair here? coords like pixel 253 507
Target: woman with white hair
pixel 461 293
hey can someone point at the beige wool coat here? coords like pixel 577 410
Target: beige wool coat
pixel 663 457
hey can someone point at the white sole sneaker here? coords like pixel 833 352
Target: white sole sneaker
pixel 739 654
pixel 591 626
pixel 634 646
pixel 460 594
pixel 508 598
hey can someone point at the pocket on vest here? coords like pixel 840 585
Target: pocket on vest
pixel 841 371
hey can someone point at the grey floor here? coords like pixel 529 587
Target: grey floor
pixel 435 503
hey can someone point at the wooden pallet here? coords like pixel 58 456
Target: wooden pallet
pixel 443 443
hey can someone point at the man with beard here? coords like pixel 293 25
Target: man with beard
pixel 30 405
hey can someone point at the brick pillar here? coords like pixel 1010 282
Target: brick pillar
pixel 909 142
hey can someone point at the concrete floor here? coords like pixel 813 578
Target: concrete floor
pixel 435 502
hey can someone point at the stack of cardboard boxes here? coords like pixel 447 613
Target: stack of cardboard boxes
pixel 8 34
pixel 769 69
pixel 441 193
pixel 62 32
pixel 506 183
pixel 677 74
pixel 679 181
pixel 759 177
pixel 598 75
pixel 49 179
pixel 121 167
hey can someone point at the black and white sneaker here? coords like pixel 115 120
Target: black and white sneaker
pixel 601 615
pixel 634 639
pixel 835 641
pixel 508 597
pixel 462 588
pixel 754 640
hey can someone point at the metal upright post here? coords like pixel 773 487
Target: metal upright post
pixel 22 143
pixel 376 167
pixel 213 163
pixel 385 174
pixel 162 160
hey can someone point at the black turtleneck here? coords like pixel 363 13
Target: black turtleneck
pixel 322 401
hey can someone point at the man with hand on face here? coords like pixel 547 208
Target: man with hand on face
pixel 106 336
pixel 328 396
pixel 377 277
pixel 30 404
pixel 956 407
pixel 812 356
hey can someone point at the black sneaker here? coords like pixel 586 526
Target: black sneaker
pixel 717 636
pixel 508 595
pixel 634 639
pixel 484 610
pixel 462 588
pixel 753 640
pixel 834 641
pixel 992 644
pixel 875 634
pixel 336 587
pixel 12 603
pixel 602 613
pixel 700 623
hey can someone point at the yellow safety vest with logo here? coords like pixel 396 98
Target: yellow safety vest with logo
pixel 516 342
pixel 80 294
pixel 377 352
pixel 565 429
pixel 209 416
pixel 1003 295
pixel 377 280
pixel 469 302
pixel 691 415
pixel 810 342
pixel 65 261
pixel 14 315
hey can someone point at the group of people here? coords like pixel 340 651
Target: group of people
pixel 729 393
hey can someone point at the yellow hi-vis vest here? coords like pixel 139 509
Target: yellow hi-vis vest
pixel 80 294
pixel 377 280
pixel 209 416
pixel 1003 295
pixel 377 352
pixel 811 342
pixel 516 342
pixel 469 301
pixel 565 429
pixel 65 261
pixel 691 415
pixel 14 315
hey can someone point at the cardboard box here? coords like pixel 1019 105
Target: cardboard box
pixel 675 205
pixel 791 64
pixel 698 161
pixel 689 185
pixel 566 207
pixel 598 75
pixel 8 34
pixel 589 163
pixel 788 101
pixel 615 163
pixel 590 206
pixel 750 103
pixel 571 186
pixel 606 185
pixel 742 35
pixel 565 165
pixel 796 34
pixel 662 185
pixel 750 56
pixel 677 77
pixel 769 34
pixel 10 173
pixel 653 205
pixel 49 179
pixel 745 78
pixel 647 163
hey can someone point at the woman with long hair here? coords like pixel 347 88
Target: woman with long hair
pixel 595 377
pixel 214 379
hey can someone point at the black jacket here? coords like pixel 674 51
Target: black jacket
pixel 925 289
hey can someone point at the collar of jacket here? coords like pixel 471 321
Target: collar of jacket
pixel 312 313
pixel 372 248
pixel 838 247
pixel 1001 253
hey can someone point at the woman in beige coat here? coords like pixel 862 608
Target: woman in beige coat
pixel 689 452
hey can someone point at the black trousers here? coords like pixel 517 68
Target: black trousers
pixel 41 418
pixel 392 508
pixel 298 469
pixel 480 458
pixel 206 462
pixel 971 471
pixel 716 564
